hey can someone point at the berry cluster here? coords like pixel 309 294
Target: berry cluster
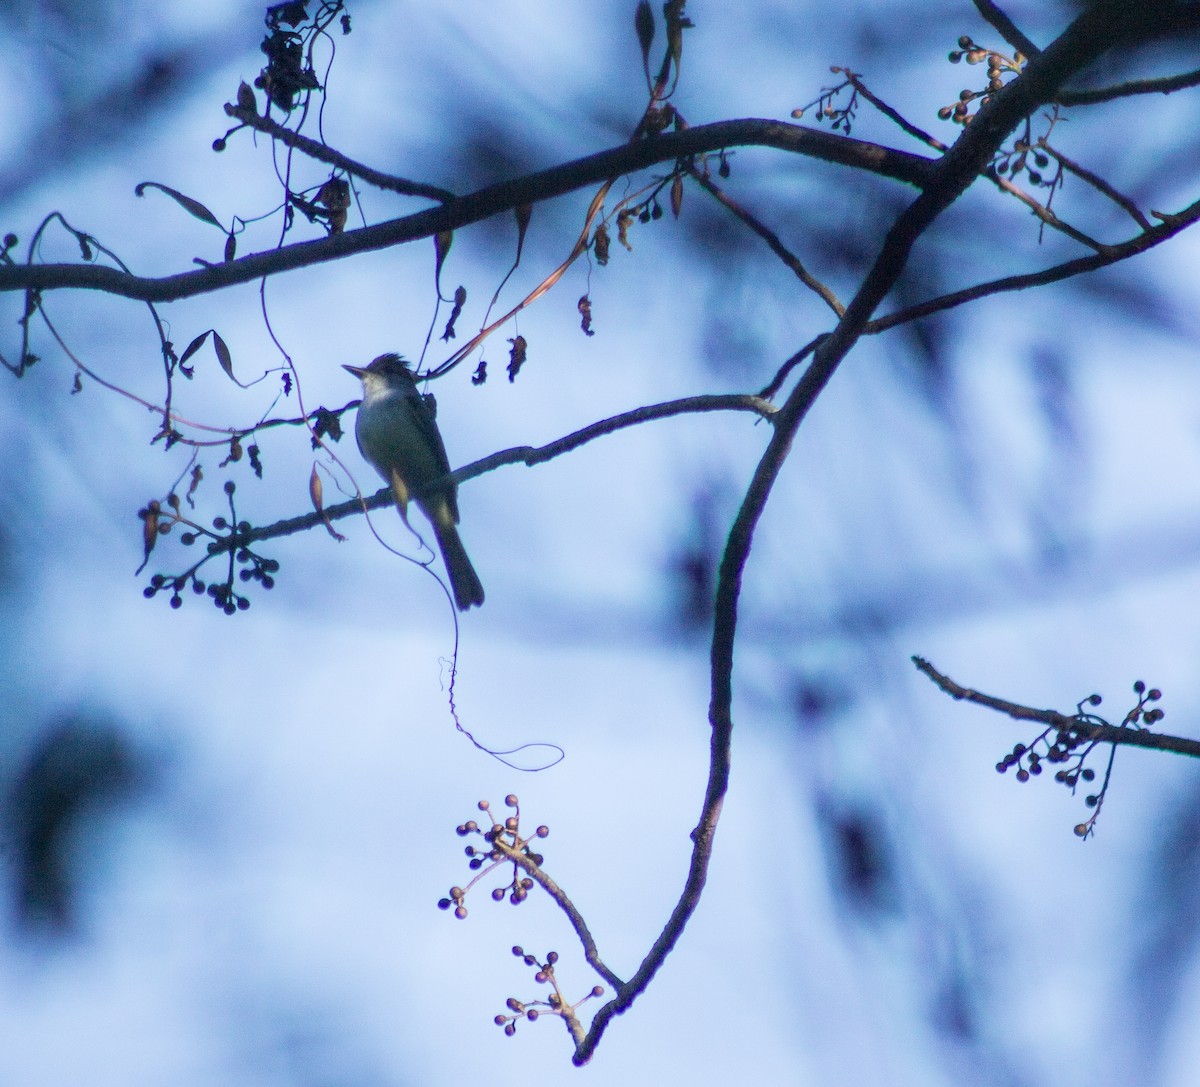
pixel 504 845
pixel 159 521
pixel 841 117
pixel 552 1005
pixel 1068 747
pixel 998 66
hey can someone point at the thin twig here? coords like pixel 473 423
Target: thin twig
pixel 1097 733
pixel 590 950
pixel 892 114
pixel 1008 29
pixel 1098 183
pixel 1043 213
pixel 1156 235
pixel 314 149
pixel 772 239
pixel 1163 85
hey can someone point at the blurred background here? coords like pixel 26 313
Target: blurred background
pixel 223 839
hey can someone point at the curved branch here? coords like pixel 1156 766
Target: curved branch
pixel 590 951
pixel 474 207
pixel 1091 35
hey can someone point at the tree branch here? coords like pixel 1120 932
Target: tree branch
pixel 1007 28
pixel 1163 85
pixel 324 153
pixel 528 455
pixel 772 239
pixel 1111 734
pixel 1091 35
pixel 474 207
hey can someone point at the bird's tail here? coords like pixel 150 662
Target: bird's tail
pixel 464 582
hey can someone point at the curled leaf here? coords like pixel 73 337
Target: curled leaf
pixel 600 244
pixel 516 357
pixel 197 476
pixel 460 297
pixel 149 516
pixel 235 452
pixel 677 195
pixel 585 313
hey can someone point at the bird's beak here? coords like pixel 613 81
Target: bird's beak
pixel 357 371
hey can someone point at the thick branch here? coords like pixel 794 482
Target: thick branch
pixel 454 214
pixel 1092 34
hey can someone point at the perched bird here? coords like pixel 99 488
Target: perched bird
pixel 398 435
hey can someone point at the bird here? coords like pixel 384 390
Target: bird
pixel 398 436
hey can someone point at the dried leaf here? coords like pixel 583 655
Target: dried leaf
pixel 643 24
pixel 193 207
pixel 223 356
pixel 676 195
pixel 193 347
pixel 245 98
pixel 441 246
pixel 316 491
pixel 524 213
